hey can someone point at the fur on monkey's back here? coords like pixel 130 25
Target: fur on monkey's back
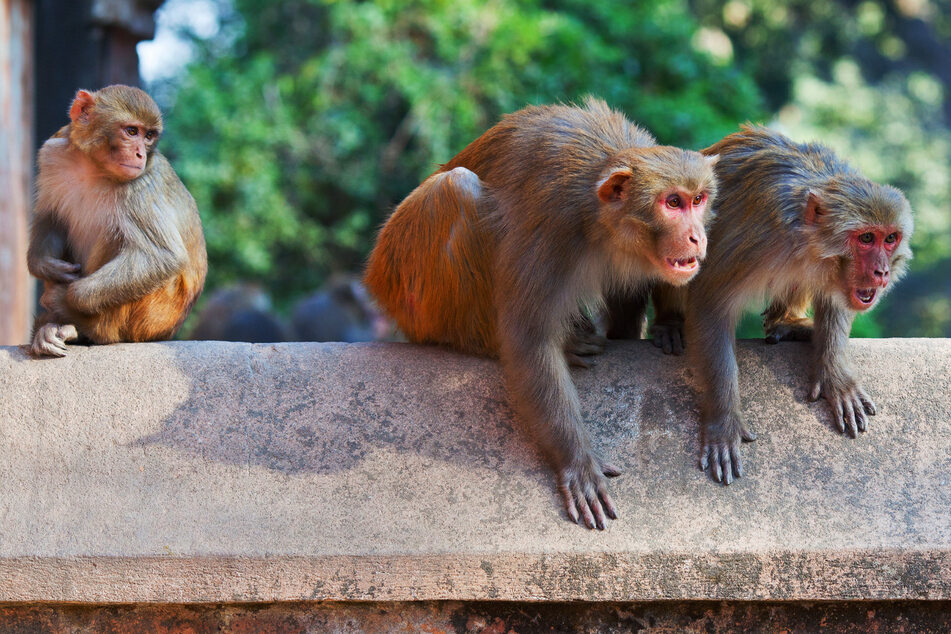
pixel 542 141
pixel 435 260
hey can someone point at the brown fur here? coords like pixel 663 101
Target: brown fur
pixel 495 253
pixel 119 247
pixel 784 228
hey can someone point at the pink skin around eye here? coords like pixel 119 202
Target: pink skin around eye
pixel 871 255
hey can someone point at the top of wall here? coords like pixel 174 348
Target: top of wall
pixel 217 472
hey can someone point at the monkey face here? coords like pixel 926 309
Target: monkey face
pixel 868 272
pixel 678 217
pixel 129 149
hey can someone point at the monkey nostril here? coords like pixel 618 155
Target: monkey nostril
pixel 694 240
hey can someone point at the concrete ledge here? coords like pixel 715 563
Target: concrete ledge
pixel 211 472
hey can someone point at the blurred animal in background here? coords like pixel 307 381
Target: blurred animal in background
pixel 239 313
pixel 552 209
pixel 116 237
pixel 340 311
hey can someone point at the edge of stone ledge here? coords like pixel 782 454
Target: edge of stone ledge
pixel 746 576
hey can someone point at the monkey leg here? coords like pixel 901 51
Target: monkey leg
pixel 626 315
pixel 833 379
pixel 544 397
pixel 785 318
pixel 431 267
pixel 670 305
pixel 722 428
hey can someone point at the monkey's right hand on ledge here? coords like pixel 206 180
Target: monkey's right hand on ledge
pixel 720 449
pixel 668 335
pixel 585 491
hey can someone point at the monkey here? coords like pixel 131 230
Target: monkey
pixel 496 253
pixel 241 312
pixel 799 226
pixel 340 311
pixel 115 236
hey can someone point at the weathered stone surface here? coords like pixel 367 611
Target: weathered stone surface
pixel 211 472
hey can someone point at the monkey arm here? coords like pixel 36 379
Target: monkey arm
pixel 532 330
pixel 710 331
pixel 832 376
pixel 46 255
pixel 148 257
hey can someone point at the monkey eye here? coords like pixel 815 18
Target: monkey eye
pixel 891 238
pixel 698 199
pixel 132 130
pixel 150 135
pixel 673 201
pixel 866 238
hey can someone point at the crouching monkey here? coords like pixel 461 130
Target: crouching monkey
pixel 795 224
pixel 494 254
pixel 116 237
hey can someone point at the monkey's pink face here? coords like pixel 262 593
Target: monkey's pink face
pixel 682 242
pixel 129 150
pixel 868 275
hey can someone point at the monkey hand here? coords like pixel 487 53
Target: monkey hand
pixel 583 344
pixel 720 450
pixel 58 271
pixel 791 330
pixel 50 340
pixel 850 404
pixel 668 334
pixel 585 490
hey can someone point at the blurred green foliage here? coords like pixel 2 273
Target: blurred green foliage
pixel 305 122
pixel 302 123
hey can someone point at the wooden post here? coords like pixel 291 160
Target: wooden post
pixel 16 167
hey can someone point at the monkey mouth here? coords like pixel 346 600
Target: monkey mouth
pixel 865 295
pixel 682 264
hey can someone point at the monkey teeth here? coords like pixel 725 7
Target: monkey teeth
pixel 865 295
pixel 683 264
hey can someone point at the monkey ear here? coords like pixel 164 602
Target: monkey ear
pixel 616 187
pixel 81 106
pixel 712 159
pixel 815 210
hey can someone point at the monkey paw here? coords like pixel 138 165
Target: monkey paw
pixel 50 340
pixel 720 450
pixel 583 344
pixel 794 330
pixel 59 271
pixel 585 491
pixel 850 405
pixel 669 336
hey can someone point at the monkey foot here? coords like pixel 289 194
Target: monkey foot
pixel 850 405
pixel 584 344
pixel 720 453
pixel 50 340
pixel 585 492
pixel 668 336
pixel 798 330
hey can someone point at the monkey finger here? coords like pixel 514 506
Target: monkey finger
pixel 849 418
pixel 582 504
pixel 569 500
pixel 609 507
pixel 67 332
pixel 594 504
pixel 717 466
pixel 773 337
pixel 727 466
pixel 867 403
pixel 705 457
pixel 737 463
pixel 747 434
pixel 838 415
pixel 860 419
pixel 610 470
pixel 577 362
pixel 678 344
pixel 815 392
